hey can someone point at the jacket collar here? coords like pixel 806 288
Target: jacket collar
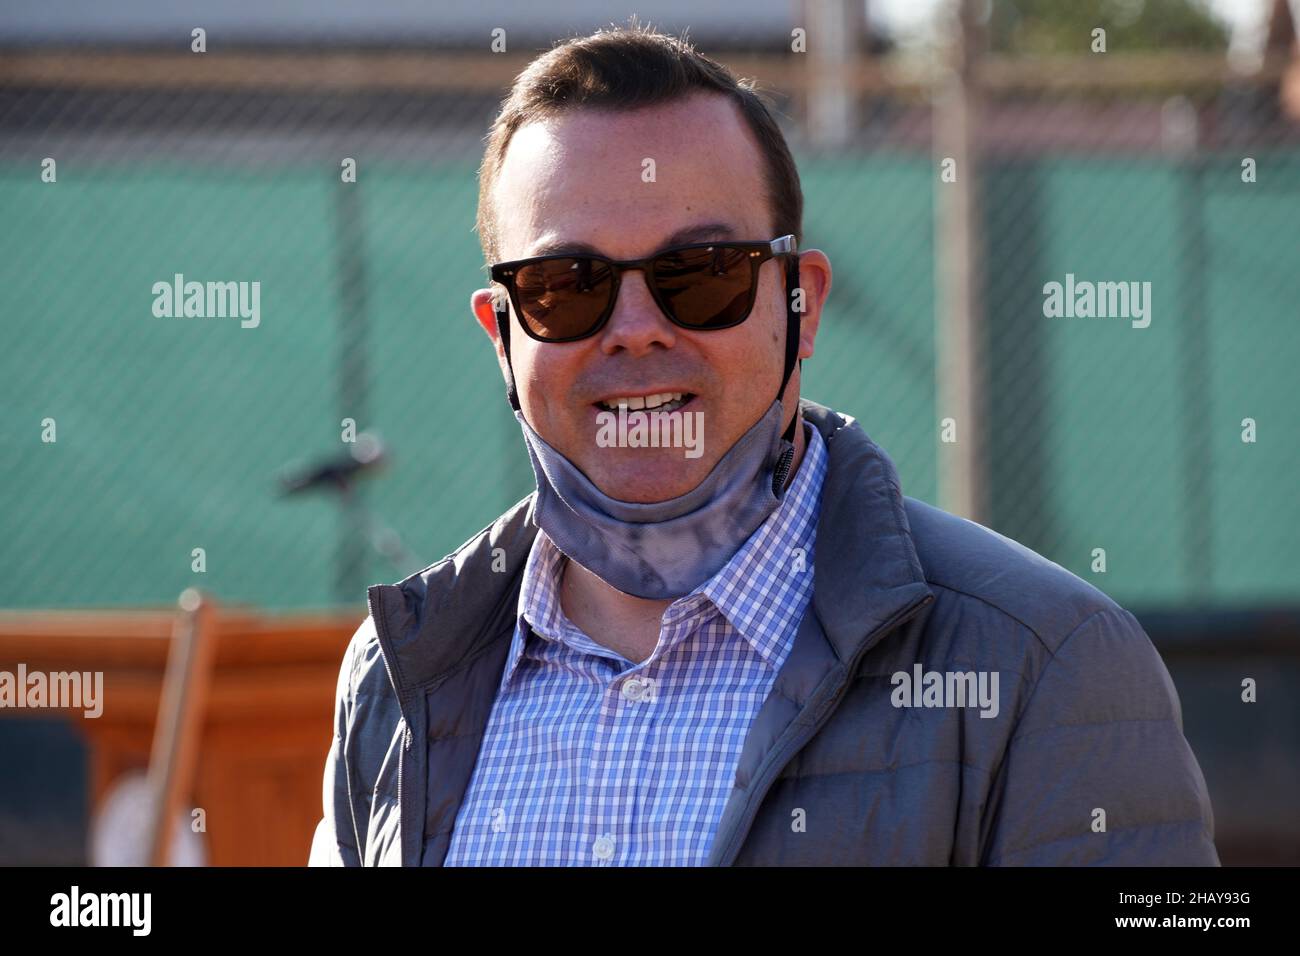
pixel 866 570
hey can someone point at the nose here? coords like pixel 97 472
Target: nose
pixel 637 324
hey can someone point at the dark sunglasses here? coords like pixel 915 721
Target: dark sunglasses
pixel 706 285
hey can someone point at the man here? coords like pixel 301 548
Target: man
pixel 761 653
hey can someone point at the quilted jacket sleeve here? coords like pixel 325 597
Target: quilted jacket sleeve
pixel 335 842
pixel 1098 771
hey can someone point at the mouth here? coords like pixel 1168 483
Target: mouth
pixel 658 402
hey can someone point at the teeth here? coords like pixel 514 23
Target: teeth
pixel 675 399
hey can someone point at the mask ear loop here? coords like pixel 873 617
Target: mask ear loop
pixel 503 330
pixel 792 325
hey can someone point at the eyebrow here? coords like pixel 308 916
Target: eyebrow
pixel 700 233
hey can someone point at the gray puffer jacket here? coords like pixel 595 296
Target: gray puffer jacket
pixel 1085 761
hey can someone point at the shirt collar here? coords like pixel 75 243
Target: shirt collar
pixel 755 590
pixel 765 588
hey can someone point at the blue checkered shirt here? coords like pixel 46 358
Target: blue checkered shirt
pixel 591 759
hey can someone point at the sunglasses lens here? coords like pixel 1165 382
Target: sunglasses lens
pixel 706 288
pixel 563 298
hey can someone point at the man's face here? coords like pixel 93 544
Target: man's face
pixel 575 183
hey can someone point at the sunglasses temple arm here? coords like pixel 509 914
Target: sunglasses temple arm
pixel 503 329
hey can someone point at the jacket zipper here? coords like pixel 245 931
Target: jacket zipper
pixel 401 759
pixel 774 764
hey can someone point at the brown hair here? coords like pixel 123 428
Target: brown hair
pixel 627 68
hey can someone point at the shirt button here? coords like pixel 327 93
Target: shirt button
pixel 632 688
pixel 603 847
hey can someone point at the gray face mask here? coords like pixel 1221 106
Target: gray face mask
pixel 662 549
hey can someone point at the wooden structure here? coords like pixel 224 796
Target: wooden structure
pixel 266 724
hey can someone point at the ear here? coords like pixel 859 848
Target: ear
pixel 815 280
pixel 482 304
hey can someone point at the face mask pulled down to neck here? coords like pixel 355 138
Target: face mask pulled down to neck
pixel 662 549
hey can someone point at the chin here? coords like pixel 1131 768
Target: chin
pixel 642 480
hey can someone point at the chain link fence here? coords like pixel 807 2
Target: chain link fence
pixel 142 450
